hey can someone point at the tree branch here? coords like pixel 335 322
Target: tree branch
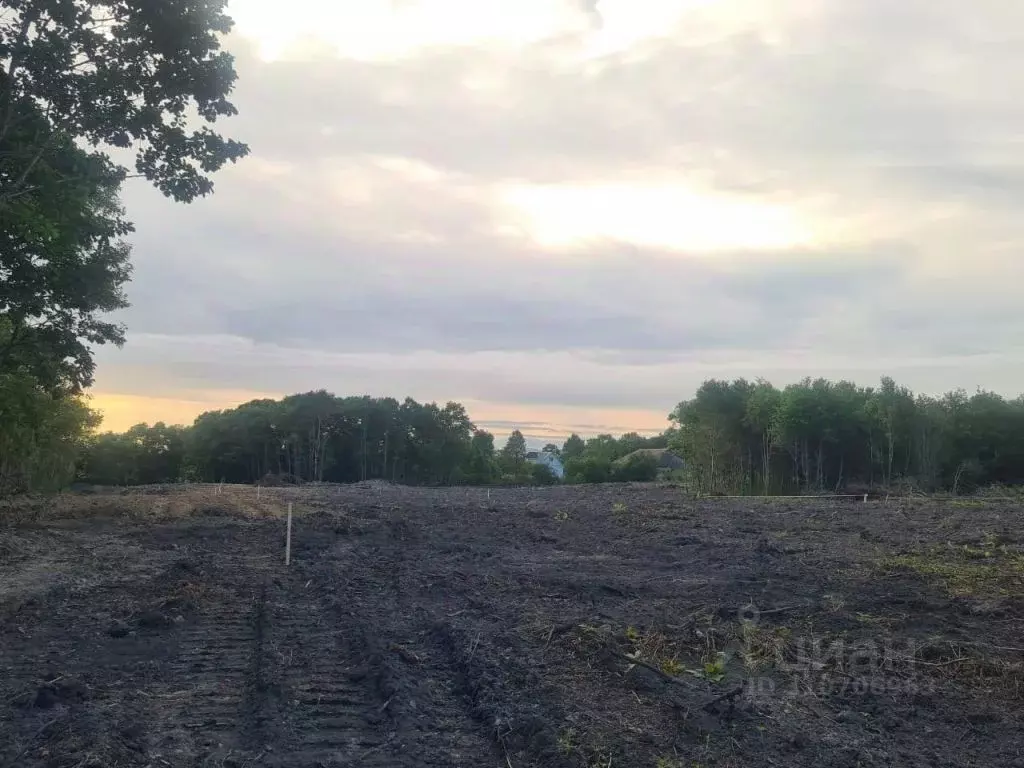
pixel 18 187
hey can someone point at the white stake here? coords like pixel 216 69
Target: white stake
pixel 288 538
pixel 865 498
pixel 258 491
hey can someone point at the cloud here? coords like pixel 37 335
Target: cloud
pixel 592 211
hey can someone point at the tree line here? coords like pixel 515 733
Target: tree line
pixel 317 436
pixel 77 76
pixel 819 435
pixel 734 436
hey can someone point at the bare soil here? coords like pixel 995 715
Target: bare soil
pixel 611 626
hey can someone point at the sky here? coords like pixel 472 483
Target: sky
pixel 567 214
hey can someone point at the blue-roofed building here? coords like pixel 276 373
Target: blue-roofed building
pixel 551 460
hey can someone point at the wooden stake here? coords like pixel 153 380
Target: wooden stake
pixel 288 538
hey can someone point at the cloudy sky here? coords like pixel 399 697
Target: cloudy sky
pixel 568 213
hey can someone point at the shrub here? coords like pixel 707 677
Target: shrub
pixel 589 469
pixel 640 469
pixel 542 474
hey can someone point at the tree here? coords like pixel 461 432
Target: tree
pixel 319 436
pixel 63 263
pixel 629 442
pixel 639 468
pixel 542 474
pixel 588 469
pixel 481 466
pixel 513 454
pixel 762 404
pixel 553 449
pixel 142 455
pixel 122 74
pixel 890 411
pixel 41 435
pixel 603 446
pixel 573 447
pixel 714 437
pixel 76 75
pixel 822 435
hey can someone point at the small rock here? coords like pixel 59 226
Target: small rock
pixel 118 629
pixel 798 740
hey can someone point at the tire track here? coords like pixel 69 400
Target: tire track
pixel 210 699
pixel 523 726
pixel 439 726
pixel 439 717
pixel 335 688
pixel 212 679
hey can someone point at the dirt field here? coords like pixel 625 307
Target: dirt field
pixel 618 627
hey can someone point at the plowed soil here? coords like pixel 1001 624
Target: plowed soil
pixel 614 626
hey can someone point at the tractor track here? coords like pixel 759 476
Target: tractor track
pixel 330 683
pixel 209 697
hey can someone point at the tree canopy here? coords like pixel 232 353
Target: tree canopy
pixel 42 436
pixel 314 436
pixel 743 436
pixel 63 262
pixel 318 436
pixel 132 74
pixel 735 437
pixel 603 458
pixel 78 77
pixel 513 454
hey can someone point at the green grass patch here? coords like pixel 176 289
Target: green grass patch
pixel 966 570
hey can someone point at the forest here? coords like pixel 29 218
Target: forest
pixel 751 437
pixel 735 437
pixel 317 436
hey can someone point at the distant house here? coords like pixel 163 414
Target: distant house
pixel 667 461
pixel 549 460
